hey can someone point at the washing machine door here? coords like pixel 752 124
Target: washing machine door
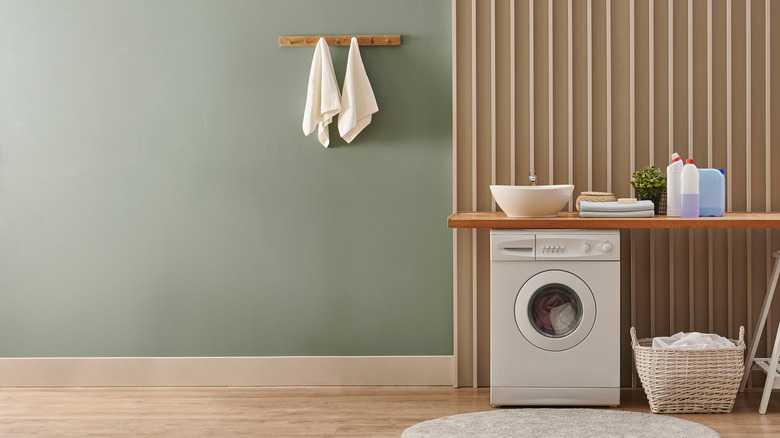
pixel 555 310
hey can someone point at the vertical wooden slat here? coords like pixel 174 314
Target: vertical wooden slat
pixel 670 20
pixel 768 151
pixel 474 351
pixel 651 78
pixel 513 98
pixel 748 153
pixel 690 154
pixel 670 80
pixel 729 112
pixel 748 102
pixel 609 93
pixel 550 86
pixel 474 109
pixel 633 294
pixel 570 93
pixel 672 325
pixel 589 21
pixel 710 128
pixel 531 106
pixel 651 142
pixel 690 78
pixel 455 282
pixel 652 283
pixel 709 84
pixel 493 98
pixel 729 168
pixel 631 89
pixel 749 282
pixel 730 285
pixel 711 298
pixel 632 155
pixel 768 112
pixel 691 300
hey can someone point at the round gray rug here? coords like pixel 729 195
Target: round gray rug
pixel 549 423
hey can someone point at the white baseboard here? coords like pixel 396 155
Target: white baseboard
pixel 227 371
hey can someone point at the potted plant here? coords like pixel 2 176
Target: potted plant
pixel 650 183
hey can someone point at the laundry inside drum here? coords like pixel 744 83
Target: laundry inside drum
pixel 555 310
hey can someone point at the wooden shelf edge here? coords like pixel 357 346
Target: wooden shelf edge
pixel 571 220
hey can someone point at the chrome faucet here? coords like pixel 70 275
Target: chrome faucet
pixel 532 178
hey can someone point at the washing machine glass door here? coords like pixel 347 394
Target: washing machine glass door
pixel 555 310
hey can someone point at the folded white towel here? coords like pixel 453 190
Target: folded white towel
pixel 694 340
pixel 615 206
pixel 616 214
pixel 323 100
pixel 357 97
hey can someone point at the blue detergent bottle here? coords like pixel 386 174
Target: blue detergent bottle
pixel 712 192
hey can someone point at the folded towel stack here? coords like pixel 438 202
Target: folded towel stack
pixel 615 209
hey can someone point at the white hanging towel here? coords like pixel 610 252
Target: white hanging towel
pixel 357 96
pixel 323 100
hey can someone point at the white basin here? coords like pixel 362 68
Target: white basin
pixel 532 201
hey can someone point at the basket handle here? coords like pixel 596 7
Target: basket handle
pixel 634 342
pixel 742 334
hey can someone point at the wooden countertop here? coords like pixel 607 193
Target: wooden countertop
pixel 571 220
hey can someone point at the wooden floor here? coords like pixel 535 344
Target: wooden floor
pixel 287 411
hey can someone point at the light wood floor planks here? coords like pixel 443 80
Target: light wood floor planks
pixel 377 411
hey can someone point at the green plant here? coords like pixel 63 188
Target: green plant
pixel 649 182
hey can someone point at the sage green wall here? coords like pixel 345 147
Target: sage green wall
pixel 158 197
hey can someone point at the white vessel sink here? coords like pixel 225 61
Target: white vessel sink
pixel 532 201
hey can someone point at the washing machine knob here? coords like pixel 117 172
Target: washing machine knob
pixel 585 247
pixel 606 247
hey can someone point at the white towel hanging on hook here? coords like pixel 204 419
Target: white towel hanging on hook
pixel 357 97
pixel 323 100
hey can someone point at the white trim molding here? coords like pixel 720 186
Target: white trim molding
pixel 227 371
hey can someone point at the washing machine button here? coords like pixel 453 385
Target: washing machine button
pixel 606 247
pixel 585 247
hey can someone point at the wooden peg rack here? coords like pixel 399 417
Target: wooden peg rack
pixel 340 40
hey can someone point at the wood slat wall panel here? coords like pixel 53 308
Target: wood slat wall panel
pixel 611 87
pixel 772 120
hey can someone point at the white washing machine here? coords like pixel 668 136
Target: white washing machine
pixel 555 317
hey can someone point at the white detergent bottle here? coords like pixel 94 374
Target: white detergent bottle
pixel 689 190
pixel 673 175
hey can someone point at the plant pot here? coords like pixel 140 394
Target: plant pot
pixel 659 203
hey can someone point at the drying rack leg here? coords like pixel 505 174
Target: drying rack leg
pixel 770 375
pixel 761 321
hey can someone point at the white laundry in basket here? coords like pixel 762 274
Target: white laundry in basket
pixel 693 340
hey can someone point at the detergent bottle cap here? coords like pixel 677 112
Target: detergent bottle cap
pixel 675 157
pixel 689 161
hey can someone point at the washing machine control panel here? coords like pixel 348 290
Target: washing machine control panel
pixel 571 247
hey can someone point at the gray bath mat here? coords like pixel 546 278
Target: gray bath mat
pixel 549 423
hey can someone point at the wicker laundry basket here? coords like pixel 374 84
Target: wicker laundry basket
pixel 686 381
